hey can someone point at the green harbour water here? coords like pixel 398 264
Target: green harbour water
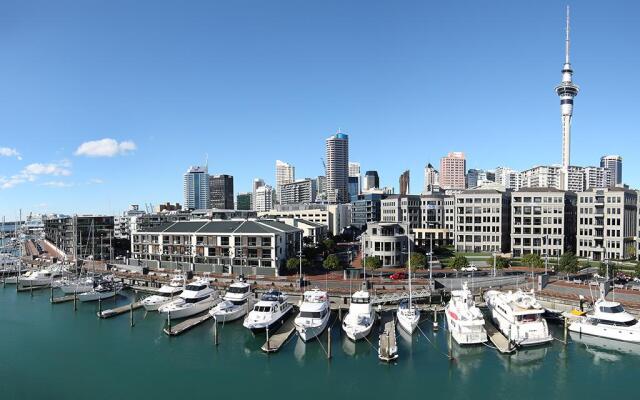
pixel 51 352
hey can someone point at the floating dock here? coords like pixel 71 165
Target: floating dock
pixel 387 345
pixel 280 336
pixel 30 288
pixel 187 324
pixel 119 310
pixel 62 299
pixel 498 339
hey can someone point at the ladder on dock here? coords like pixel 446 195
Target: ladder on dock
pixel 279 338
pixel 498 339
pixel 187 324
pixel 118 310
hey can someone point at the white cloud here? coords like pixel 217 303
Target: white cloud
pixel 31 172
pixel 58 184
pixel 95 181
pixel 59 169
pixel 8 152
pixel 105 148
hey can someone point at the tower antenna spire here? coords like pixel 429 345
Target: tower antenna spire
pixel 567 40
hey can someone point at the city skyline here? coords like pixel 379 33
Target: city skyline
pixel 93 150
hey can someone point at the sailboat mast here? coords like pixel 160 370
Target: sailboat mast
pixel 364 257
pixel 409 264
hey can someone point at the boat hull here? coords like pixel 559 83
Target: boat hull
pixel 228 315
pixel 357 332
pixel 95 296
pixel 263 326
pixel 307 333
pixel 466 334
pixel 71 289
pixel 619 333
pixel 195 308
pixel 408 323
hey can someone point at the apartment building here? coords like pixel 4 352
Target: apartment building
pixel 482 221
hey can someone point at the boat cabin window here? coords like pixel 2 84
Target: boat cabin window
pixel 360 300
pixel 196 288
pixel 614 323
pixel 311 314
pixel 234 289
pixel 195 299
pixel 527 318
pixel 239 302
pixel 612 310
pixel 262 308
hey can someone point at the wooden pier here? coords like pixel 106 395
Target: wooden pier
pixel 278 338
pixel 498 339
pixel 118 310
pixel 187 324
pixel 62 299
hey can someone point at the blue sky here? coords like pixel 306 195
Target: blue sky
pixel 249 82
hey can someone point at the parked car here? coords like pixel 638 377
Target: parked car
pixel 470 268
pixel 398 275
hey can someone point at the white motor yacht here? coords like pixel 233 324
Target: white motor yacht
pixel 315 311
pixel 609 320
pixel 103 290
pixel 16 278
pixel 42 277
pixel 360 318
pixel 234 304
pixel 165 294
pixel 464 318
pixel 518 315
pixel 197 297
pixel 271 310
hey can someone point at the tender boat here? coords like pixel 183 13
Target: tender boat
pixel 608 320
pixel 103 290
pixel 360 318
pixel 165 294
pixel 464 318
pixel 518 315
pixel 234 304
pixel 272 308
pixel 315 311
pixel 196 298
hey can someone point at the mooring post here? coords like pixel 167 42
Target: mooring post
pixel 450 346
pixel 99 306
pixel 75 299
pixel 435 319
pixel 31 288
pixel 329 343
pixel 565 330
pixel 215 331
pixel 169 321
pixel 51 299
pixel 131 314
pixel 268 347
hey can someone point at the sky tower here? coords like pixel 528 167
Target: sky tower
pixel 567 91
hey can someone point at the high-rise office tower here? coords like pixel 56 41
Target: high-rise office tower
pixel 509 178
pixel 567 91
pixel 337 155
pixel 196 188
pixel 404 183
pixel 263 200
pixel 257 183
pixel 371 180
pixel 285 173
pixel 243 201
pixel 431 179
pixel 221 192
pixel 452 171
pixel 614 165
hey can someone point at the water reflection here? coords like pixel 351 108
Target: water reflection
pixel 525 360
pixel 605 350
pixel 467 358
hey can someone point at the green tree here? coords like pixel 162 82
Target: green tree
pixel 329 245
pixel 458 261
pixel 373 262
pixel 293 264
pixel 532 260
pixel 418 261
pixel 332 262
pixel 569 263
pixel 602 269
pixel 502 262
pixel 636 269
pixel 631 251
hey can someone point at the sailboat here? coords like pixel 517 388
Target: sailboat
pixel 408 316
